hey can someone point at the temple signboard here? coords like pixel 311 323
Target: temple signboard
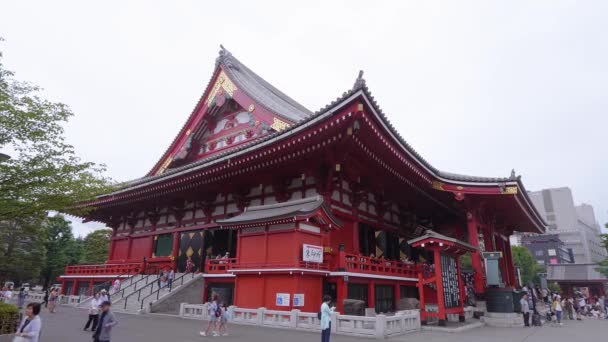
pixel 312 253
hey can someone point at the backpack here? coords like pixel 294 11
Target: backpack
pixel 218 311
pixel 319 315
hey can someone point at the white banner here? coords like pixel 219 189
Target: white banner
pixel 298 299
pixel 311 253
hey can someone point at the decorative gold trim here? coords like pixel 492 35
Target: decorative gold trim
pixel 251 108
pixel 360 107
pixel 278 125
pixel 460 187
pixel 438 186
pixel 165 165
pixel 510 190
pixel 222 82
pixel 188 132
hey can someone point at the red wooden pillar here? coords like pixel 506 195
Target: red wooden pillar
pixel 397 294
pixel 504 269
pixel 91 284
pixel 341 293
pixel 422 300
pixel 439 284
pixel 371 295
pixel 175 250
pixel 356 247
pixel 475 256
pixel 75 288
pixel 509 260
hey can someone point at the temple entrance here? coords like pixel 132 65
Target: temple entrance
pixel 190 245
pixel 358 291
pixel 224 291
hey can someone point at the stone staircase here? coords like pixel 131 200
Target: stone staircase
pixel 147 294
pixel 129 285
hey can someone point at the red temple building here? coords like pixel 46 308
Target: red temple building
pixel 305 204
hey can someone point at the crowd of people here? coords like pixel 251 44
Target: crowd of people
pixel 570 307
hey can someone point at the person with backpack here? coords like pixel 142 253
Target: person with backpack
pixel 325 314
pixel 215 313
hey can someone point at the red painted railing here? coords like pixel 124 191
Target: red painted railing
pixel 362 264
pixel 219 265
pixel 104 269
pixel 215 266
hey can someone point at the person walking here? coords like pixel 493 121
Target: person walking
pixel 53 298
pixel 569 307
pixel 557 308
pixel 161 275
pixel 21 298
pixel 223 329
pixel 170 278
pixel 29 328
pixel 103 296
pixel 189 265
pixel 525 309
pixel 93 313
pixel 107 321
pixel 116 285
pixel 326 312
pixel 214 314
pixel 46 298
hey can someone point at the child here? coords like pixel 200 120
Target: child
pixel 223 330
pixel 557 308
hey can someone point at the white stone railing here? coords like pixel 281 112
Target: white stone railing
pixel 380 326
pixel 69 300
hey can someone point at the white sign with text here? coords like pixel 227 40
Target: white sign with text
pixel 311 253
pixel 298 299
pixel 282 299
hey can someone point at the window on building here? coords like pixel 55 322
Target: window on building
pixel 163 246
pixel 551 252
pixel 539 253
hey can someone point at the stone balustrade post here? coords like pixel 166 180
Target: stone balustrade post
pixel 380 326
pixel 260 317
pixel 181 309
pixel 334 322
pixel 294 318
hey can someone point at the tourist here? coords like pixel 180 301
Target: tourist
pixel 569 307
pixel 103 296
pixel 215 313
pixel 29 329
pixel 53 298
pixel 170 279
pixel 46 297
pixel 107 320
pixel 161 276
pixel 93 313
pixel 189 265
pixel 545 294
pixel 582 304
pixel 557 308
pixel 223 329
pixel 525 309
pixel 21 298
pixel 8 294
pixel 326 312
pixel 116 285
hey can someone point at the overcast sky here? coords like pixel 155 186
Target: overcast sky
pixel 476 87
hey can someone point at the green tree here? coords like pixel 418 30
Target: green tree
pixel 528 266
pixel 96 245
pixel 44 172
pixel 22 250
pixel 59 244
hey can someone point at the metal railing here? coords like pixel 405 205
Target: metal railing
pixel 145 278
pixel 180 279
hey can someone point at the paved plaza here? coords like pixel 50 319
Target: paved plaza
pixel 66 326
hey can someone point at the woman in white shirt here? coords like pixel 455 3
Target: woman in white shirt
pixel 326 312
pixel 93 313
pixel 29 329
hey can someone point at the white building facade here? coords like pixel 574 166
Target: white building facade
pixel 575 224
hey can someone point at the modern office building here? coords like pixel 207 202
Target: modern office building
pixel 548 249
pixel 575 225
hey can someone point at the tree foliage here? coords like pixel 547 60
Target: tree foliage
pixel 96 245
pixel 59 244
pixel 22 250
pixel 44 173
pixel 528 266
